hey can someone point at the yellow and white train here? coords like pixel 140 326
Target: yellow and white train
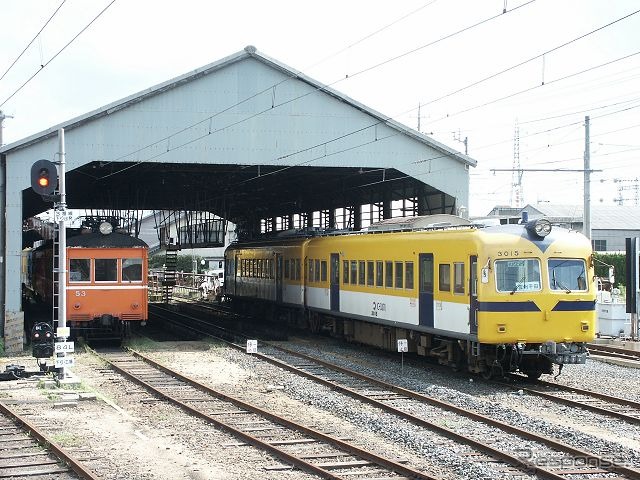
pixel 493 299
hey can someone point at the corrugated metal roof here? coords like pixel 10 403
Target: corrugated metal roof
pixel 248 52
pixel 603 217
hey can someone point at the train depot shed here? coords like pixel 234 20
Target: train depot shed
pixel 247 139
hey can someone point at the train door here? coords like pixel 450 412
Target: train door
pixel 334 282
pixel 473 296
pixel 425 298
pixel 279 277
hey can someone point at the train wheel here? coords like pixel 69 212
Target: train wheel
pixel 534 374
pixel 314 322
pixel 487 373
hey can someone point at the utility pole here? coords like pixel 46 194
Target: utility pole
pixel 2 117
pixel 516 177
pixel 586 221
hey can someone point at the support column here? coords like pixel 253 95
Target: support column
pixel 357 217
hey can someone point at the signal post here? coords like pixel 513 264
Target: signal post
pixel 45 179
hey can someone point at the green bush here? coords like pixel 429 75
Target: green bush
pixel 617 260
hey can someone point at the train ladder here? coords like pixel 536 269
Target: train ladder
pixel 55 283
pixel 170 264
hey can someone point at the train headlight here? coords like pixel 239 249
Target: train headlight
pixel 540 227
pixel 106 228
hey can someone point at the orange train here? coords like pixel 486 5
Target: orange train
pixel 106 288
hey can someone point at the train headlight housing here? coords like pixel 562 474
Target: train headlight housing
pixel 540 227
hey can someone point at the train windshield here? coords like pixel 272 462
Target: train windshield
pixel 567 274
pixel 518 275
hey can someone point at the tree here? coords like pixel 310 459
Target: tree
pixel 617 260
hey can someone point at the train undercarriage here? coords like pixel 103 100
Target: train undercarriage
pixel 486 360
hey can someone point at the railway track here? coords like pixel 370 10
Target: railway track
pixel 596 402
pixel 540 455
pixel 304 447
pixel 27 453
pixel 614 352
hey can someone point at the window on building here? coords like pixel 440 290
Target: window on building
pixel 599 245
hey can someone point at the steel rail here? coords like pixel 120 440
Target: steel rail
pixel 252 440
pixel 514 461
pixel 623 353
pixel 74 464
pixel 577 403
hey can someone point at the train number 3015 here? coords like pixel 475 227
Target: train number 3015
pixel 509 253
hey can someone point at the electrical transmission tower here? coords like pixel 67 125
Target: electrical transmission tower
pixel 635 187
pixel 516 175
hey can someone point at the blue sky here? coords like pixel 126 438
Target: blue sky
pixel 445 55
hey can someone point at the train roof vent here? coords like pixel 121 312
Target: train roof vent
pixel 425 222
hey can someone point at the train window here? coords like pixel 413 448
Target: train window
pixel 408 275
pixel 345 272
pixel 310 277
pixel 287 268
pixel 323 270
pixel 567 274
pixel 379 273
pixel 270 268
pixel 444 278
pixel 131 269
pixel 106 269
pixel 388 274
pixel 361 272
pixel 458 277
pixel 80 270
pixel 399 274
pixel 518 275
pixel 317 272
pixel 354 272
pixel 297 269
pixel 370 273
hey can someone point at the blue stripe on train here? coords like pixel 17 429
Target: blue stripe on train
pixel 561 306
pixel 508 307
pixel 575 306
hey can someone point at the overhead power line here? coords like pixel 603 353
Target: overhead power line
pixel 294 76
pixel 58 53
pixel 32 40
